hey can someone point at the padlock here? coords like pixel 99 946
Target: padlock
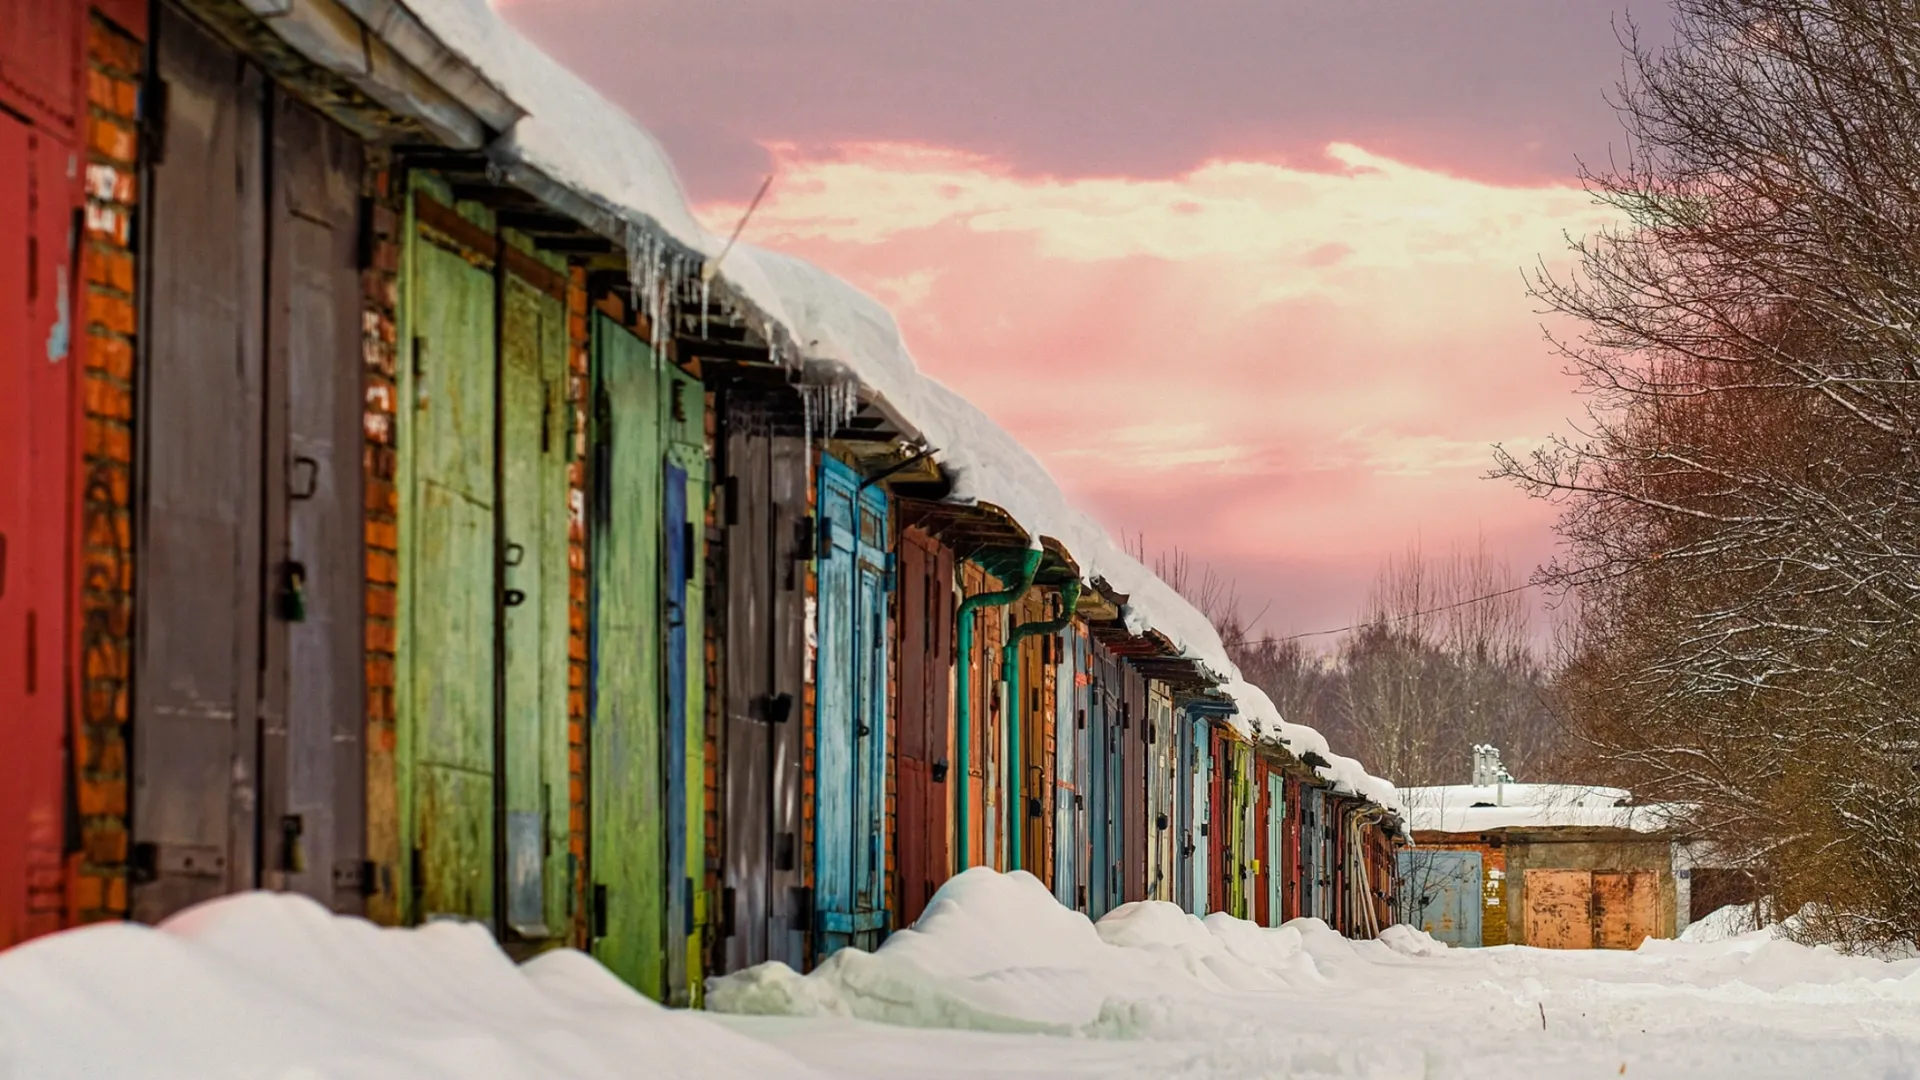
pixel 293 592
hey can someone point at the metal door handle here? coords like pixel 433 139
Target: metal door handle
pixel 513 598
pixel 297 491
pixel 514 555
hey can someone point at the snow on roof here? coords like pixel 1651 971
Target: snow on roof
pixel 1462 808
pixel 574 136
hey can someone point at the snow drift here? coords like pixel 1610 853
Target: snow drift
pixel 266 985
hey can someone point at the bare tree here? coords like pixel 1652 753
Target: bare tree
pixel 1742 514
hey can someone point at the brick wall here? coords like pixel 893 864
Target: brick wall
pixel 380 290
pixel 579 342
pixel 114 61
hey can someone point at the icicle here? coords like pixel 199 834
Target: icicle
pixel 706 289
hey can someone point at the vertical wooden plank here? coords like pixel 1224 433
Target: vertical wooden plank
pixel 1558 909
pixel 836 684
pixel 534 512
pixel 317 581
pixel 916 631
pixel 748 821
pixel 627 833
pixel 685 495
pixel 870 734
pixel 451 605
pixel 196 662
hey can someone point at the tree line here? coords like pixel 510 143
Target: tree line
pixel 1741 513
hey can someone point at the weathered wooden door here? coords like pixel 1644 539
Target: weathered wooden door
pixel 627 830
pixel 196 692
pixel 1626 908
pixel 449 553
pixel 1069 786
pixel 37 369
pixel 314 762
pixel 248 705
pixel 1557 912
pixel 765 511
pixel 1309 857
pixel 926 629
pixel 1439 892
pixel 851 724
pixel 1275 850
pixel 1199 736
pixel 534 605
pixel 1162 755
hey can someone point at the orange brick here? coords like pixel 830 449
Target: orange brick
pixel 89 892
pixel 126 98
pixel 114 141
pixel 107 846
pixel 115 313
pixel 381 602
pixel 112 355
pixel 117 894
pixel 382 568
pixel 103 797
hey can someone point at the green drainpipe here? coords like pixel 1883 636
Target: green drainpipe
pixel 963 706
pixel 1017 811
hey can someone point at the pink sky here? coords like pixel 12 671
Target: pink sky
pixel 1247 281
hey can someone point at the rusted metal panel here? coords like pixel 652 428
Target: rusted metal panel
pixel 534 517
pixel 313 798
pixel 37 371
pixel 926 659
pixel 197 662
pixel 42 45
pixel 1558 909
pixel 1626 908
pixel 450 585
pixel 627 840
pixel 756 713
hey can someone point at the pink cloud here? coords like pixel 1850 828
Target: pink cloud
pixel 1288 372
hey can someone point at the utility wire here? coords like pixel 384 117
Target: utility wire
pixel 1408 615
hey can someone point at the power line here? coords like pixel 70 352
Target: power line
pixel 1408 615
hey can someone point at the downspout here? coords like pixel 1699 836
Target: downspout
pixel 1016 806
pixel 963 693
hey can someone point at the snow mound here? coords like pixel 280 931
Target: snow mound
pixel 266 985
pixel 1731 922
pixel 997 952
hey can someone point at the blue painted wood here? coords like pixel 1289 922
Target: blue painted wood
pixel 851 725
pixel 1200 740
pixel 1440 892
pixel 870 710
pixel 674 588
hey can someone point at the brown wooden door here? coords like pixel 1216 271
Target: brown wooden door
pixel 1558 910
pixel 1626 908
pixel 926 628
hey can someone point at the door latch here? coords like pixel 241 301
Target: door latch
pixel 940 771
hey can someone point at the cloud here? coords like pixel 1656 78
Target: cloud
pixel 1269 365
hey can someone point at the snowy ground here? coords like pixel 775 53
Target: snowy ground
pixel 997 982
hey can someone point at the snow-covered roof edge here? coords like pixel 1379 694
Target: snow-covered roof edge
pixel 574 137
